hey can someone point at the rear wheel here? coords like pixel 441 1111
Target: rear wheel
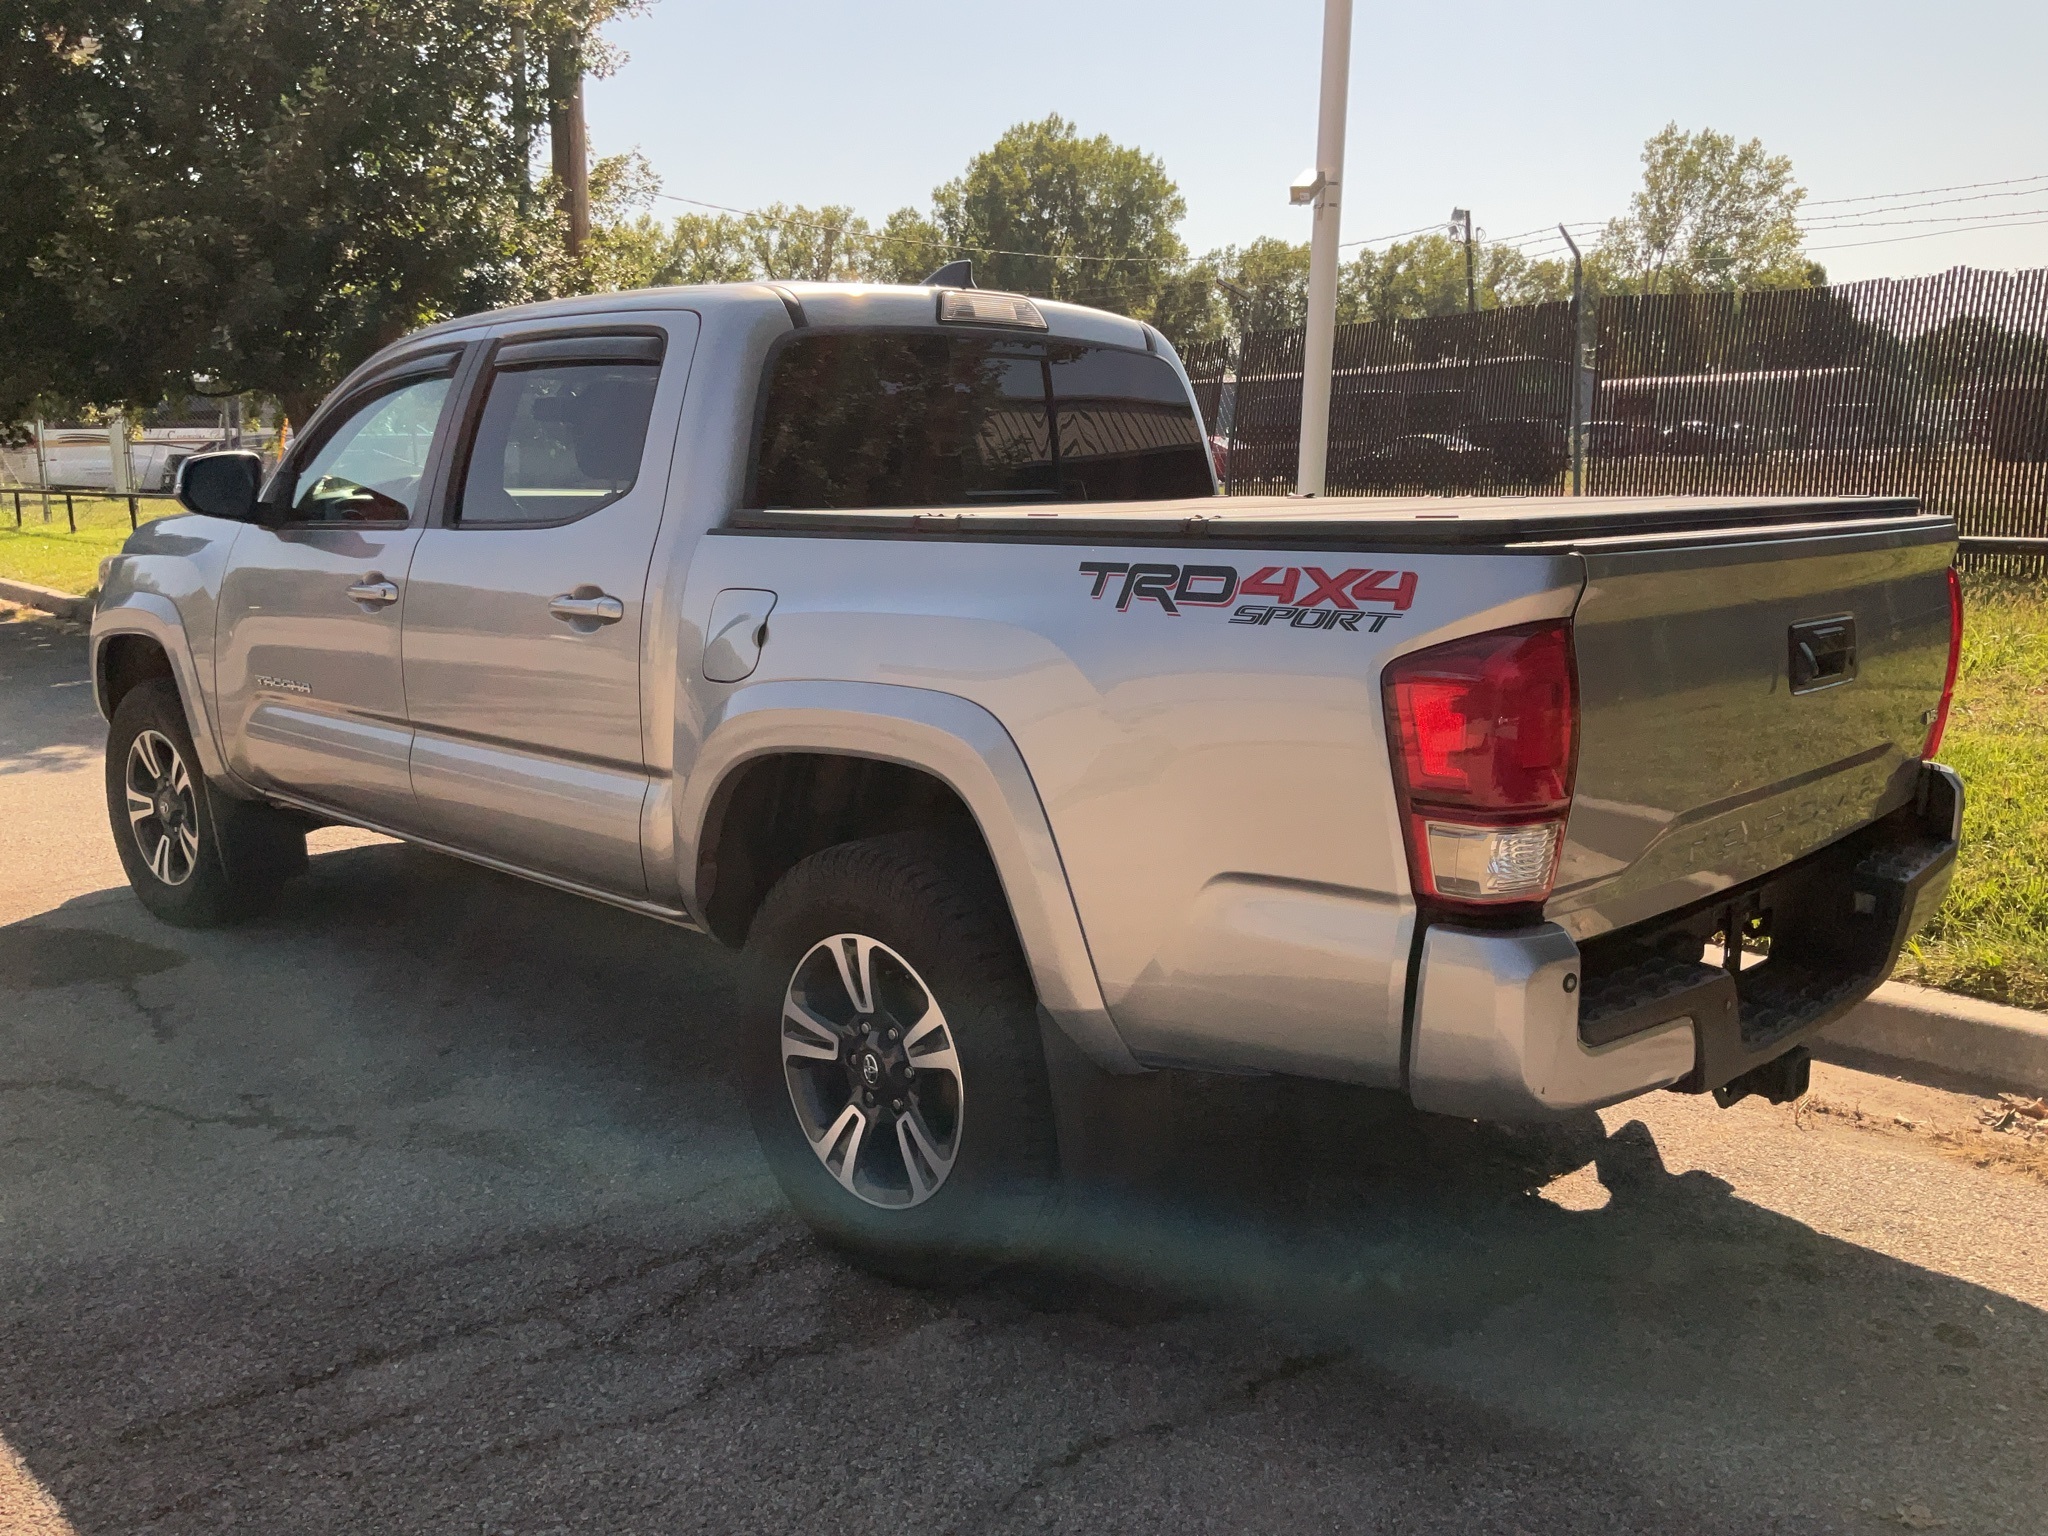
pixel 195 857
pixel 896 1079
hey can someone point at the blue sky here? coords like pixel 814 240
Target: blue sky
pixel 1528 114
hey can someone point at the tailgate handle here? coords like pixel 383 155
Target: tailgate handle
pixel 1823 653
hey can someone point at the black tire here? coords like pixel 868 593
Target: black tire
pixel 197 858
pixel 935 908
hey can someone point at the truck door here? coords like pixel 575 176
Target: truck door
pixel 307 636
pixel 523 623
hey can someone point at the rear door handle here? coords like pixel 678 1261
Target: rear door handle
pixel 575 608
pixel 375 593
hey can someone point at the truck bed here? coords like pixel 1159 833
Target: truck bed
pixel 1248 761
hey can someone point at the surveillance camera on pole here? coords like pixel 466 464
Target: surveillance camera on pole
pixel 1318 187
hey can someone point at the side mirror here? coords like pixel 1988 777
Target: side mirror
pixel 222 485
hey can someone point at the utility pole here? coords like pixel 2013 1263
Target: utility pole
pixel 1464 216
pixel 1319 187
pixel 568 140
pixel 1581 375
pixel 522 121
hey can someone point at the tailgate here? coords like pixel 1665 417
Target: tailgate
pixel 1744 703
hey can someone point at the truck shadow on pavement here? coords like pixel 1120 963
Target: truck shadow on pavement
pixel 427 1203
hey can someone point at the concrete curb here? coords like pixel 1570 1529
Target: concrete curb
pixel 1915 1031
pixel 66 605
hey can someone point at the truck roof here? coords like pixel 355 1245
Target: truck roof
pixel 818 304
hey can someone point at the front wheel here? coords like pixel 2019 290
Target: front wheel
pixel 895 1075
pixel 195 857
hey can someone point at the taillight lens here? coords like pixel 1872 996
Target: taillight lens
pixel 1955 660
pixel 1484 737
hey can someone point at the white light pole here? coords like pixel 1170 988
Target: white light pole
pixel 1321 186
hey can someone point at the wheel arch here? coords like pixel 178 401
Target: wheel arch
pixel 785 764
pixel 143 638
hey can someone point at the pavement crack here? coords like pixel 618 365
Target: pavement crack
pixel 156 1014
pixel 751 1364
pixel 258 1117
pixel 1235 1399
pixel 368 1358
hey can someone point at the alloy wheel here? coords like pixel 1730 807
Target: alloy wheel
pixel 873 1072
pixel 163 808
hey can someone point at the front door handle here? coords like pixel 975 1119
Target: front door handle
pixel 374 593
pixel 586 606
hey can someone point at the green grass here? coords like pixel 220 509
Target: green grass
pixel 1991 937
pixel 50 554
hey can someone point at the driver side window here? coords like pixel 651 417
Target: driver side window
pixel 369 468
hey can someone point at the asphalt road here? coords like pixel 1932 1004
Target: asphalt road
pixel 426 1204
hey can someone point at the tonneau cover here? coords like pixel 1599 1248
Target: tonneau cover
pixel 1378 522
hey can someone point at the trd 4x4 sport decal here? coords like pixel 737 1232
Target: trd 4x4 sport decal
pixel 1296 592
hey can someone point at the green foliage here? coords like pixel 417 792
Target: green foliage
pixel 1991 937
pixel 1265 284
pixel 254 194
pixel 1041 189
pixel 48 334
pixel 1711 214
pixel 1264 287
pixel 1426 276
pixel 793 244
pixel 259 193
pixel 1099 219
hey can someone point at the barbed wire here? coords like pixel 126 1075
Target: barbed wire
pixel 1878 197
pixel 1930 234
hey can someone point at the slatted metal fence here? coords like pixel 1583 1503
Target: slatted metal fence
pixel 1932 387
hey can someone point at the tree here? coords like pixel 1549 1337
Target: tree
pixel 791 244
pixel 1711 214
pixel 1425 276
pixel 1046 211
pixel 1042 211
pixel 1265 284
pixel 259 192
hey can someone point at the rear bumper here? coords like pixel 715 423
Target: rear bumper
pixel 1527 1024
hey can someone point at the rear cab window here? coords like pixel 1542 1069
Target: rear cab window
pixel 561 432
pixel 863 419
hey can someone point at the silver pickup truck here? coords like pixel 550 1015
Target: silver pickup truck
pixel 898 636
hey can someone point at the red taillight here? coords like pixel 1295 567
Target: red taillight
pixel 1955 659
pixel 1484 736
